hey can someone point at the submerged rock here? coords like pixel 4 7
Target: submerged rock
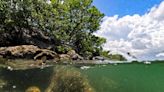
pixel 3 83
pixel 33 89
pixel 67 79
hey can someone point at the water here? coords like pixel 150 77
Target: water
pixel 20 80
pixel 134 77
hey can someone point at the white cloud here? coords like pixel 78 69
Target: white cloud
pixel 142 36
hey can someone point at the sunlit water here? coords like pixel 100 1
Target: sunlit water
pixel 134 77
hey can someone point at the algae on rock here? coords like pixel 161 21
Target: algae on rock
pixel 68 79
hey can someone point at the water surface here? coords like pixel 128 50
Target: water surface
pixel 135 77
pixel 132 77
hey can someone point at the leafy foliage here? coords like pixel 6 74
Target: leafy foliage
pixel 77 21
pixel 70 22
pixel 117 57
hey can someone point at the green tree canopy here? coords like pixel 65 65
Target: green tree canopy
pixel 70 22
pixel 76 23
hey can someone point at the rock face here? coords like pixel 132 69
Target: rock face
pixel 34 53
pixel 64 57
pixel 26 52
pixel 74 56
pixel 71 55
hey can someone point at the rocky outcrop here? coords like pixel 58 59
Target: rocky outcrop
pixel 71 55
pixel 35 53
pixel 64 57
pixel 27 52
pixel 44 52
pixel 74 56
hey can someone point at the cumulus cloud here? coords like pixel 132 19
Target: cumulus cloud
pixel 141 35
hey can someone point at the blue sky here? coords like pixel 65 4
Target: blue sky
pixel 137 29
pixel 125 7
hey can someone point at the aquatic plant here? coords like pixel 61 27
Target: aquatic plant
pixel 33 89
pixel 68 79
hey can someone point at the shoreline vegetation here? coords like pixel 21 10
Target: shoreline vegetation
pixel 43 30
pixel 37 34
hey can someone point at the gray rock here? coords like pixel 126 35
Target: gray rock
pixel 74 55
pixel 98 58
pixel 26 52
pixel 64 57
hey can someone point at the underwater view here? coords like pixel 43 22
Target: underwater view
pixel 132 77
pixel 135 77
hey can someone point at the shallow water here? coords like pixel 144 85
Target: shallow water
pixel 20 80
pixel 134 77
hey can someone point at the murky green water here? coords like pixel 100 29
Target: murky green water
pixel 127 78
pixel 134 77
pixel 20 80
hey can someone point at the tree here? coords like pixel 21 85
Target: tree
pixel 76 22
pixel 70 23
pixel 29 20
pixel 25 14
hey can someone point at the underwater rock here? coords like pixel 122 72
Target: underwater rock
pixel 33 89
pixel 68 79
pixel 3 83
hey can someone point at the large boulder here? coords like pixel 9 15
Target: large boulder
pixel 64 57
pixel 27 52
pixel 74 55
